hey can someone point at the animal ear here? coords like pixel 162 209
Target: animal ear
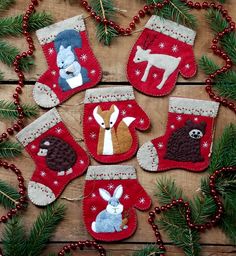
pixel 118 192
pixel 69 47
pixel 46 143
pixel 203 125
pixel 104 194
pixel 138 47
pixel 189 122
pixel 61 47
pixel 148 50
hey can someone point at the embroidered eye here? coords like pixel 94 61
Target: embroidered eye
pixel 111 123
pixel 102 123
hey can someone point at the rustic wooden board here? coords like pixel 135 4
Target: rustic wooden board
pixel 114 66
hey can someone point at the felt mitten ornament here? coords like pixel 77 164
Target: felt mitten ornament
pixel 72 66
pixel 164 49
pixel 58 158
pixel 111 116
pixel 110 195
pixel 188 139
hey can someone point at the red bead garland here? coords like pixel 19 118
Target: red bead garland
pixel 22 191
pixel 180 202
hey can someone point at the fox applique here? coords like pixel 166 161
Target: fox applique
pixel 112 141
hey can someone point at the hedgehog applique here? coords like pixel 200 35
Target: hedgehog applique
pixel 60 156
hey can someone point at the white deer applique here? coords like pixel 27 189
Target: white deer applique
pixel 162 61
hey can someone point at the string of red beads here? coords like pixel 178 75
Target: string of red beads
pixel 180 202
pixel 147 9
pixel 81 245
pixel 20 203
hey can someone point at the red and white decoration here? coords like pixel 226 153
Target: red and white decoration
pixel 162 51
pixel 188 139
pixel 58 158
pixel 111 116
pixel 110 195
pixel 72 66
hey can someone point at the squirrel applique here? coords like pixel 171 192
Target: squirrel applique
pixel 112 141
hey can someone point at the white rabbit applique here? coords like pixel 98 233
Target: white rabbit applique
pixel 110 219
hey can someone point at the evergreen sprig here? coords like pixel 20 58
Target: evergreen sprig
pixel 10 149
pixel 43 228
pixel 8 195
pixel 12 26
pixel 176 11
pixel 8 110
pixel 6 4
pixel 151 250
pixel 105 9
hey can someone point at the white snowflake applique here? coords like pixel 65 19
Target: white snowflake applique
pixel 81 161
pixel 110 186
pixel 137 72
pixel 126 197
pixel 50 51
pixel 43 174
pixel 58 130
pixel 93 208
pixel 123 112
pixel 93 195
pixel 54 85
pixel 93 72
pixel 187 66
pixel 84 57
pixel 141 121
pixel 161 45
pixel 53 72
pixel 130 105
pixel 55 182
pixel 205 144
pixel 33 147
pixel 160 145
pixel 175 48
pixel 155 75
pixel 90 118
pixel 93 135
pixel 195 119
pixel 179 118
pixel 142 200
pixel 172 127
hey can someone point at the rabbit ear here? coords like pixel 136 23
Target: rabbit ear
pixel 104 194
pixel 118 192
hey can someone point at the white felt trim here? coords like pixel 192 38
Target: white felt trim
pixel 48 34
pixel 193 106
pixel 38 127
pixel 111 172
pixel 172 29
pixel 109 94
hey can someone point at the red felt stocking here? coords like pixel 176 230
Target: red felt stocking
pixel 58 158
pixel 110 195
pixel 72 66
pixel 162 51
pixel 188 139
pixel 110 118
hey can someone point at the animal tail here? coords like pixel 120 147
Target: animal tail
pixel 128 120
pixel 93 226
pixel 66 38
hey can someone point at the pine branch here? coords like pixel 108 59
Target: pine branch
pixel 105 9
pixel 10 149
pixel 14 238
pixel 176 11
pixel 43 228
pixel 174 222
pixel 149 250
pixel 12 26
pixel 8 54
pixel 8 195
pixel 8 110
pixel 6 4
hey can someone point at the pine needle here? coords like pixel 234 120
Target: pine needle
pixel 10 149
pixel 12 26
pixel 6 4
pixel 43 228
pixel 8 195
pixel 8 110
pixel 149 250
pixel 14 238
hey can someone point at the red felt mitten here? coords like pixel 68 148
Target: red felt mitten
pixel 58 158
pixel 110 195
pixel 110 118
pixel 164 49
pixel 72 66
pixel 188 139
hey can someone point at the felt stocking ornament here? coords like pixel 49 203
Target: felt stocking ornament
pixel 72 66
pixel 164 49
pixel 110 195
pixel 111 116
pixel 188 139
pixel 58 158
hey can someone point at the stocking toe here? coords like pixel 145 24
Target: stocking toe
pixel 44 96
pixel 147 157
pixel 40 194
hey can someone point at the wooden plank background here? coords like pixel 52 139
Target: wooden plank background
pixel 113 60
